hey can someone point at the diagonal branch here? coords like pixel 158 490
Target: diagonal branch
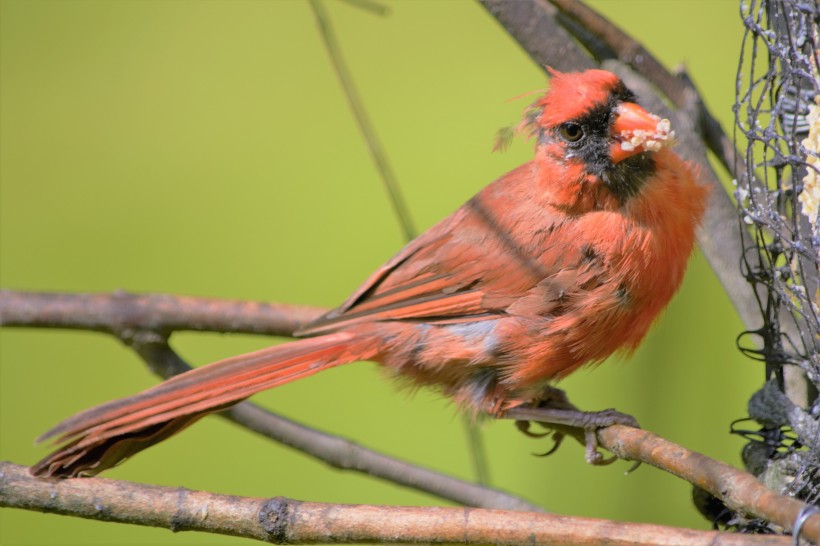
pixel 334 450
pixel 739 490
pixel 280 520
pixel 377 153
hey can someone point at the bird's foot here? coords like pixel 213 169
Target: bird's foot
pixel 561 418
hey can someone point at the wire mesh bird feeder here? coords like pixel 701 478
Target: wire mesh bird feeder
pixel 777 113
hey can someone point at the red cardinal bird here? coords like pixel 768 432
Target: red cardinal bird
pixel 559 263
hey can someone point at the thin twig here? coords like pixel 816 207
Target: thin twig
pixel 366 127
pixel 368 5
pixel 281 520
pixel 476 446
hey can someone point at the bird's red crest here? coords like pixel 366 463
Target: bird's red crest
pixel 572 93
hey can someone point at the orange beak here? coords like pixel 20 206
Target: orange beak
pixel 635 130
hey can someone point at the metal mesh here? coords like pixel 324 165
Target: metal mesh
pixel 777 106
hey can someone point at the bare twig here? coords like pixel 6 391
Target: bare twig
pixel 476 446
pixel 281 520
pixel 739 490
pixel 368 5
pixel 365 126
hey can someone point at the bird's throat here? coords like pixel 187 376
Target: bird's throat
pixel 625 179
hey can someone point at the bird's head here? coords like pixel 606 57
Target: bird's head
pixel 590 121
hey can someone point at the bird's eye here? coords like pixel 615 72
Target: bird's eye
pixel 571 132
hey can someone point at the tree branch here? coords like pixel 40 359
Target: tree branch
pixel 144 322
pixel 122 311
pixel 739 490
pixel 281 520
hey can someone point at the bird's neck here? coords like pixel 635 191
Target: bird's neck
pixel 568 186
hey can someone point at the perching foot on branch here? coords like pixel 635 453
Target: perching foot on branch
pixel 561 418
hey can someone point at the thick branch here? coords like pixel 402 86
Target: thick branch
pixel 281 520
pixel 534 25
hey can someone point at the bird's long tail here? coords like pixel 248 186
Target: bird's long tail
pixel 101 437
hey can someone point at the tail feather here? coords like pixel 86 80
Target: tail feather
pixel 101 437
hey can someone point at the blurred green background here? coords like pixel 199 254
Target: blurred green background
pixel 206 148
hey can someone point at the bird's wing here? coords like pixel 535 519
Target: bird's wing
pixel 464 269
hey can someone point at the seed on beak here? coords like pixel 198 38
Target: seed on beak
pixel 635 130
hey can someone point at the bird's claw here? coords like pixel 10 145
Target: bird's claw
pixel 592 455
pixel 606 418
pixel 524 427
pixel 562 419
pixel 557 437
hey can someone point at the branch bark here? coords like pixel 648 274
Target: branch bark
pixel 280 520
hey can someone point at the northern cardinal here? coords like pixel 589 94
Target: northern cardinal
pixel 559 263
